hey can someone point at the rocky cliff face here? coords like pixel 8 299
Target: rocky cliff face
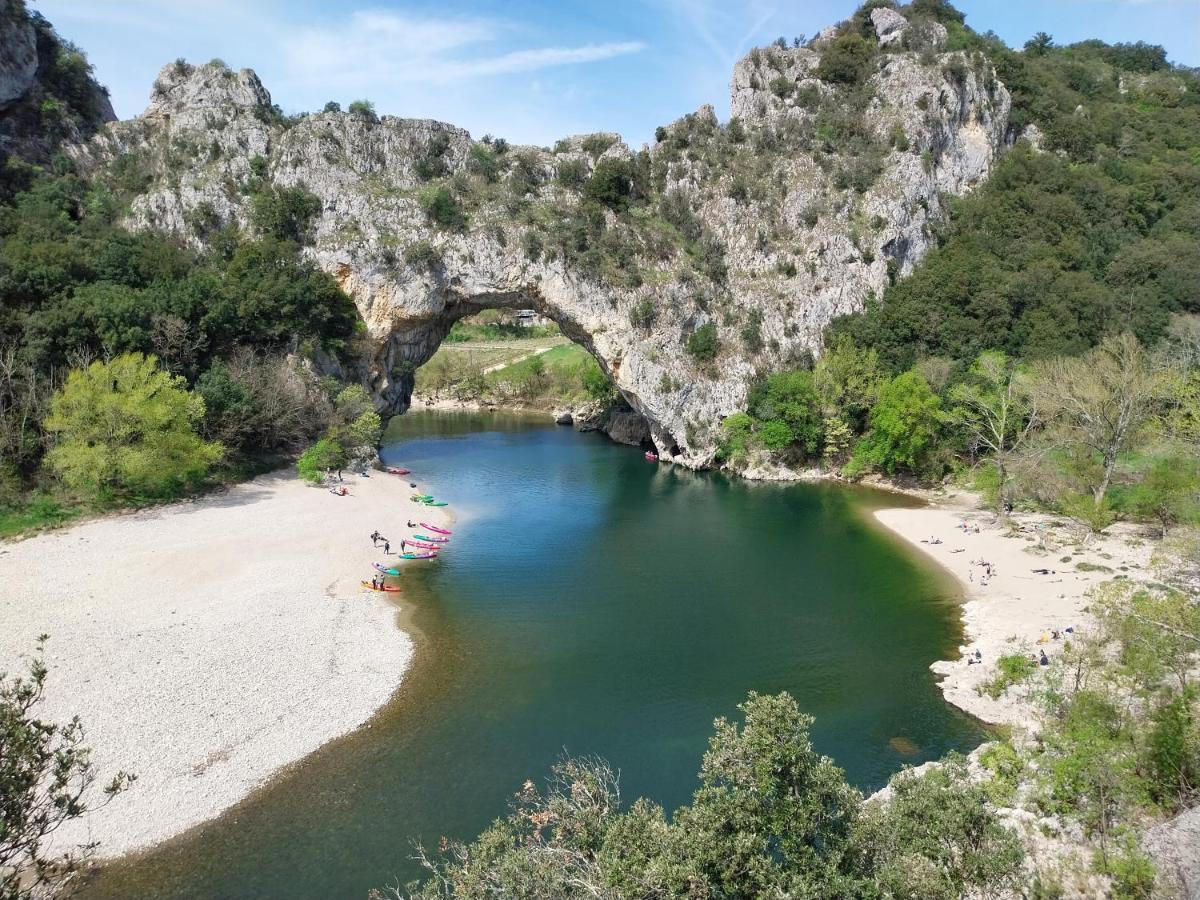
pixel 764 228
pixel 46 90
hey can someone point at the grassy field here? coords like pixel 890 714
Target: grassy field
pixel 537 371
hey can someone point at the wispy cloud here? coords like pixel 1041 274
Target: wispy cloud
pixel 383 47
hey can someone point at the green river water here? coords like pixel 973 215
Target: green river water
pixel 590 602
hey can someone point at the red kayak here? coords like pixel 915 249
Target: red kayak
pixel 393 471
pixel 434 528
pixel 651 457
pixel 422 545
pixel 387 588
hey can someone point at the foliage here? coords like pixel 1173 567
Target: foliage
pixel 703 345
pixel 771 818
pixel 423 256
pixel 611 183
pixel 126 428
pixel 46 777
pixel 284 213
pixel 938 838
pixel 1168 491
pixel 324 456
pixel 442 208
pixel 1054 252
pixel 905 427
pixel 1011 669
pixel 787 412
pixel 363 109
pixel 847 59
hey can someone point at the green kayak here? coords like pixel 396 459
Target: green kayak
pixel 436 503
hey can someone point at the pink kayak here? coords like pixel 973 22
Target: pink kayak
pixel 434 528
pixel 422 545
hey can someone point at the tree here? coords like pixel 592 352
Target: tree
pixel 1039 44
pixel 46 779
pixel 787 406
pixel 996 410
pixel 772 817
pixel 905 427
pixel 127 427
pixel 364 109
pixel 1168 491
pixel 322 457
pixel 938 837
pixel 1100 401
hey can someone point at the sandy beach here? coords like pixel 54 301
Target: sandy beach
pixel 207 644
pixel 1009 611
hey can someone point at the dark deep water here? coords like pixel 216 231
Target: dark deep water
pixel 595 603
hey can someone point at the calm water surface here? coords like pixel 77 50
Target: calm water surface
pixel 590 603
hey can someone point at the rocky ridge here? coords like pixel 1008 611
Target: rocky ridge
pixel 800 209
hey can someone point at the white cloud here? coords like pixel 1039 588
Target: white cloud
pixel 379 47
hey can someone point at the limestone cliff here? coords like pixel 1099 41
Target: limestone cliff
pixel 47 93
pixel 799 209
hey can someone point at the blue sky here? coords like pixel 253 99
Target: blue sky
pixel 528 70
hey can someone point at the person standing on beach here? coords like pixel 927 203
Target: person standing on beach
pixel 387 548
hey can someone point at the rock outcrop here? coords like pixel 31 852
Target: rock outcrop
pixel 760 230
pixel 47 93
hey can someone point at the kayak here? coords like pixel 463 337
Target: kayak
pixel 421 497
pixel 435 503
pixel 651 457
pixel 387 588
pixel 391 471
pixel 436 540
pixel 385 570
pixel 434 528
pixel 432 555
pixel 422 545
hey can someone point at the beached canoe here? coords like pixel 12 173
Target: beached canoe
pixel 392 471
pixel 387 588
pixel 432 555
pixel 434 528
pixel 435 503
pixel 422 545
pixel 436 540
pixel 385 570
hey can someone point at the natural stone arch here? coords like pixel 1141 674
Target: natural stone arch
pixel 808 244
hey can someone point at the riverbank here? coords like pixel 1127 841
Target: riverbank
pixel 1041 571
pixel 208 644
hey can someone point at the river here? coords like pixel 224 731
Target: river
pixel 590 602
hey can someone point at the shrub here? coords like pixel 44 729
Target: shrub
pixel 1011 669
pixel 848 59
pixel 703 344
pixel 442 208
pixel 324 456
pixel 611 183
pixel 285 214
pixel 363 109
pixel 422 255
pixel 643 314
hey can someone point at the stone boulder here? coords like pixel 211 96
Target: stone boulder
pixel 889 25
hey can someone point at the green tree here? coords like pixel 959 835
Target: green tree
pixel 284 213
pixel 938 838
pixel 994 409
pixel 1098 403
pixel 905 428
pixel 325 455
pixel 787 405
pixel 772 817
pixel 46 774
pixel 847 59
pixel 442 208
pixel 127 427
pixel 1168 491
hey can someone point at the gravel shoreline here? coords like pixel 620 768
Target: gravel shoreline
pixel 208 644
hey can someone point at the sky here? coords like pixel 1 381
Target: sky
pixel 531 71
